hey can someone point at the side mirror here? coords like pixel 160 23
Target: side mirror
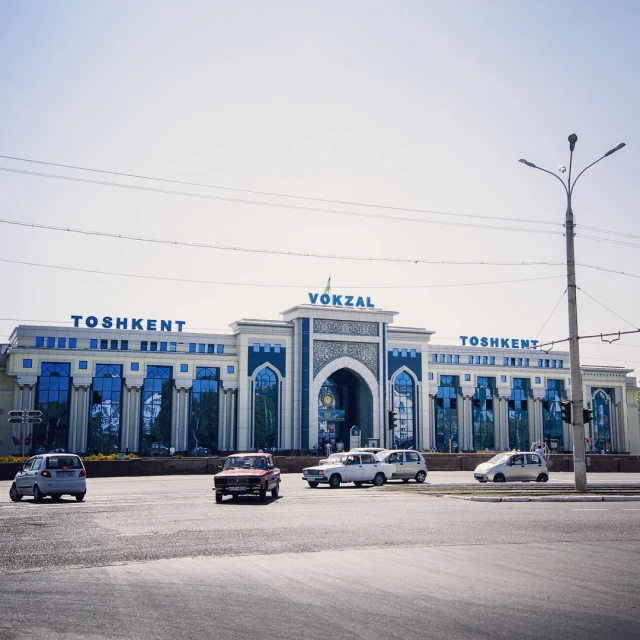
pixel 509 463
pixel 21 468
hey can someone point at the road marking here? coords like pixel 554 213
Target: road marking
pixel 631 509
pixel 599 509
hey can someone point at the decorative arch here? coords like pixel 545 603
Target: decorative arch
pixel 362 371
pixel 404 390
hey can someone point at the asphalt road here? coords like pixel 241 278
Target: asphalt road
pixel 156 558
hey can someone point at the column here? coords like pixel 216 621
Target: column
pixel 466 443
pixel 223 431
pixel 131 413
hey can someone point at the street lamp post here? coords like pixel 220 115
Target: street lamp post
pixel 579 459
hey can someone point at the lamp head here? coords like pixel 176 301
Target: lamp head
pixel 573 138
pixel 616 148
pixel 529 164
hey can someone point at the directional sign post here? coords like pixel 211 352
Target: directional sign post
pixel 25 417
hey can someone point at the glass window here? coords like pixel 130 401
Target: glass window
pixel 53 399
pixel 518 415
pixel 192 347
pixel 93 343
pixel 103 430
pixel 449 358
pixel 552 415
pixel 135 366
pixel 27 363
pixel 82 364
pixel 404 353
pixel 220 348
pixel 256 347
pixel 51 342
pixel 211 348
pixel 430 375
pixel 403 404
pixel 537 379
pixel 153 346
pixel 477 359
pixel 265 413
pixel 172 346
pixel 519 362
pixel 434 356
pixel 72 343
pixel 276 347
pixel 203 420
pixel 144 346
pixel 540 363
pixel 492 359
pixel 560 364
pixel 124 345
pixel 114 344
pixel 526 362
pixel 40 341
pixel 505 362
pixel 62 343
pixel 267 347
pixel 446 414
pixel 231 368
pixel 440 357
pixel 202 348
pixel 155 411
pixel 470 359
pixel 546 364
pixel 163 346
pixel 184 368
pixel 412 353
pixel 513 362
pixel 456 359
pixel 483 415
pixel 104 344
pixel 503 378
pixel 553 364
pixel 485 360
pixel 467 377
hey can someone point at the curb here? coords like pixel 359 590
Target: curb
pixel 549 499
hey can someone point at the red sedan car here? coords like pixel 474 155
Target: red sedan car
pixel 247 474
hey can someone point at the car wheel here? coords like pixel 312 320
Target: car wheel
pixel 263 494
pixel 56 497
pixel 275 492
pixel 218 498
pixel 421 476
pixel 14 494
pixel 313 485
pixel 79 497
pixel 499 477
pixel 334 481
pixel 378 481
pixel 543 477
pixel 38 496
pixel 358 484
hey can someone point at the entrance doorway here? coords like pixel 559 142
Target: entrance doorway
pixel 344 401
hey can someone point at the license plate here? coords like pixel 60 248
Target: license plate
pixel 64 474
pixel 236 488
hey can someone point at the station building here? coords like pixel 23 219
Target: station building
pixel 324 373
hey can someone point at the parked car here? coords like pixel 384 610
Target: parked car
pixel 373 450
pixel 50 474
pixel 409 465
pixel 515 466
pixel 247 474
pixel 334 457
pixel 355 467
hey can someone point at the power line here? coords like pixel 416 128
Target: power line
pixel 607 308
pixel 273 286
pixel 277 195
pixel 199 245
pixel 283 206
pixel 552 312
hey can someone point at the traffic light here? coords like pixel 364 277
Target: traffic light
pixel 565 408
pixel 392 417
pixel 587 416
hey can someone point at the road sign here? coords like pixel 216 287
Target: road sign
pixel 32 416
pixel 15 419
pixel 34 413
pixel 16 412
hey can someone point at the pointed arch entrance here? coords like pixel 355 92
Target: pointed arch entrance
pixel 349 388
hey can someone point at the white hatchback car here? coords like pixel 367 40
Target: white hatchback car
pixel 511 467
pixel 409 464
pixel 50 474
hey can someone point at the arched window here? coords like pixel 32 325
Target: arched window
pixel 203 422
pixel 601 404
pixel 404 435
pixel 446 414
pixel 265 409
pixel 483 416
pixel 52 398
pixel 156 405
pixel 103 434
pixel 552 415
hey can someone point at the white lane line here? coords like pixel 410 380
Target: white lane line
pixel 600 509
pixel 631 509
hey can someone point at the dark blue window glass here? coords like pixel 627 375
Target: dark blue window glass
pixel 114 344
pixel 211 348
pixel 135 366
pixel 231 369
pixel 192 347
pixel 483 416
pixel 404 436
pixel 203 421
pixel 104 344
pixel 27 363
pixel 62 343
pixel 51 342
pixel 40 341
pixel 266 347
pixel 163 346
pixel 124 345
pixel 82 364
pixel 446 413
pixel 470 359
pixel 172 346
pixel 456 359
pixel 93 343
pixel 519 415
pixel 601 401
pixel 72 343
pixel 52 398
pixel 537 379
pixel 265 413
pixel 144 346
pixel 467 377
pixel 256 347
pixel 154 346
pixel 552 415
pixel 276 348
pixel 184 368
pixel 156 410
pixel 220 349
pixel 430 375
pixel 103 431
pixel 201 347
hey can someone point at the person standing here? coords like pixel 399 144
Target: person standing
pixel 327 448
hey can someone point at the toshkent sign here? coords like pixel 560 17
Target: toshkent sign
pixel 341 300
pixel 140 324
pixel 499 343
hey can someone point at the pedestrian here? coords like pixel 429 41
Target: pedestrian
pixel 327 448
pixel 339 446
pixel 540 451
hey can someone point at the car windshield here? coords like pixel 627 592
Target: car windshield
pixel 64 462
pixel 333 458
pixel 501 457
pixel 248 462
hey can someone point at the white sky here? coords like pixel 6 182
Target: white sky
pixel 424 105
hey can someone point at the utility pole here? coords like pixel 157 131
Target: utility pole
pixel 579 452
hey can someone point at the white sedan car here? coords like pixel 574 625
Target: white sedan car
pixel 355 467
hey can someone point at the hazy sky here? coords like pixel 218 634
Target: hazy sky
pixel 419 105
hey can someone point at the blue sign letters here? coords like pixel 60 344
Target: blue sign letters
pixel 334 300
pixel 136 324
pixel 498 343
